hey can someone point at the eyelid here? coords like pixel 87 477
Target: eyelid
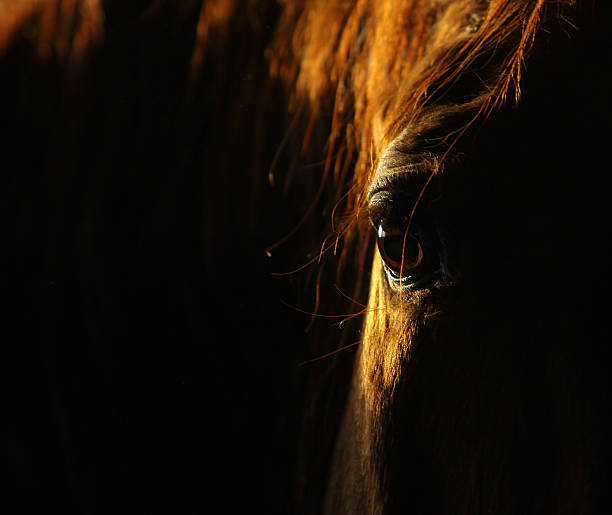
pixel 395 182
pixel 391 197
pixel 379 196
pixel 380 207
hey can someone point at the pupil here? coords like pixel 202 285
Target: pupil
pixel 393 248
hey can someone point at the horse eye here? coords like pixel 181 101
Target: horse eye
pixel 401 251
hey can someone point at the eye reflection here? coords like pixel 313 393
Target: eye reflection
pixel 401 251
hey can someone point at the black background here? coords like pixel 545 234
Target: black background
pixel 149 364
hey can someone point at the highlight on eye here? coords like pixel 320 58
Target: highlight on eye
pixel 400 250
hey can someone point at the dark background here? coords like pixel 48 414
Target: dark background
pixel 149 364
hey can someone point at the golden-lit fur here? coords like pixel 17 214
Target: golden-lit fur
pixel 365 80
pixel 378 64
pixel 387 70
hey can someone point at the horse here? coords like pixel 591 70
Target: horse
pixel 477 383
pixel 437 167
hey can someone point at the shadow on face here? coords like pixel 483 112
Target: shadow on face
pixel 500 407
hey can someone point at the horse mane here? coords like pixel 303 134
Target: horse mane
pixel 362 70
pixel 376 66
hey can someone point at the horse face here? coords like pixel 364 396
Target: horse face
pixel 481 336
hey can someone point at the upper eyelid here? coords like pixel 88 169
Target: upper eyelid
pixel 393 185
pixel 380 206
pixel 388 199
pixel 398 177
pixel 390 182
pixel 392 196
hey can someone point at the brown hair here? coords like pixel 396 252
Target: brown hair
pixel 378 65
pixel 377 69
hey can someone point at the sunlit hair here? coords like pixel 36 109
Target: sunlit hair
pixel 375 66
pixel 382 68
pixel 378 65
pixel 376 69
